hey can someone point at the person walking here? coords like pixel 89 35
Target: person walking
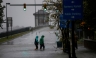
pixel 42 42
pixel 36 42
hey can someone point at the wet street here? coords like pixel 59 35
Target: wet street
pixel 23 47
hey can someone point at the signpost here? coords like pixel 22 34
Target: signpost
pixel 9 21
pixel 63 23
pixel 72 9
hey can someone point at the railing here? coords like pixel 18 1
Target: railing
pixel 3 34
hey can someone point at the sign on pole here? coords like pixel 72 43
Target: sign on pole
pixel 63 22
pixel 72 9
pixel 9 21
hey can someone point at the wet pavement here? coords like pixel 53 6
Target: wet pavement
pixel 23 47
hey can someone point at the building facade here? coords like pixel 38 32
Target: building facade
pixel 40 18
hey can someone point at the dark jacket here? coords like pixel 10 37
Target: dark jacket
pixel 42 40
pixel 36 40
pixel 36 43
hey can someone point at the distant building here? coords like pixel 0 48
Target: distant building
pixel 40 18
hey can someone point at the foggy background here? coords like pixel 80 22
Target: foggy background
pixel 20 17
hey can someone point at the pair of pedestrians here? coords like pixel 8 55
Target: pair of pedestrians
pixel 41 42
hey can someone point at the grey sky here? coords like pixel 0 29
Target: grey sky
pixel 20 17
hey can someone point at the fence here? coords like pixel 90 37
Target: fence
pixel 3 34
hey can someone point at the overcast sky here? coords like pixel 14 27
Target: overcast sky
pixel 20 17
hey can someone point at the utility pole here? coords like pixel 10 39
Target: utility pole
pixel 73 41
pixel 7 20
pixel 35 12
pixel 68 42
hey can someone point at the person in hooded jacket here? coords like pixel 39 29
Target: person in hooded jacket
pixel 42 42
pixel 36 42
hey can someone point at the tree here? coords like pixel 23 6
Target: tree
pixel 90 13
pixel 1 13
pixel 54 11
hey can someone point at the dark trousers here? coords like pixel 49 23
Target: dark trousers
pixel 42 45
pixel 36 46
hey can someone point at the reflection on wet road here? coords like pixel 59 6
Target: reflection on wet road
pixel 23 47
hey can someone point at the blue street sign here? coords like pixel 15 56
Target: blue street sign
pixel 61 17
pixel 72 9
pixel 63 22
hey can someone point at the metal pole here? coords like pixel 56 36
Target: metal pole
pixel 38 19
pixel 73 41
pixel 11 27
pixel 63 38
pixel 83 34
pixel 68 43
pixel 6 22
pixel 35 12
pixel 43 16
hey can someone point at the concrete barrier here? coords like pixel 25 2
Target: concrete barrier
pixel 3 34
pixel 90 44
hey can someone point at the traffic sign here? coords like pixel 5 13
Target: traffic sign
pixel 72 9
pixel 9 21
pixel 63 22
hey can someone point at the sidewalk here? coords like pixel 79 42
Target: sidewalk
pixel 23 47
pixel 82 52
pixel 27 51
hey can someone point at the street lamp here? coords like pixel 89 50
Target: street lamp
pixel 7 20
pixel 35 12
